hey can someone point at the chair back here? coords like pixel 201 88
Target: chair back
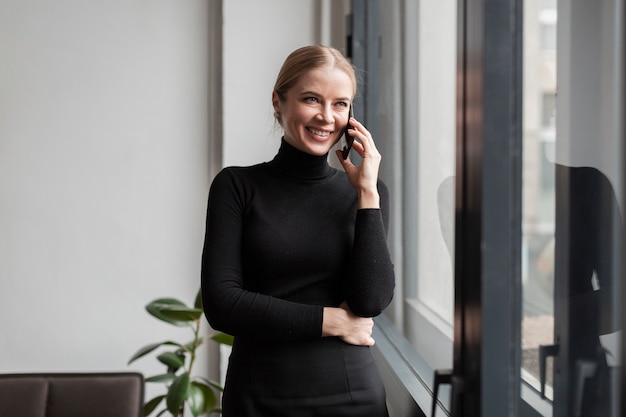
pixel 71 395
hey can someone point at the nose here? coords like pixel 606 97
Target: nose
pixel 326 114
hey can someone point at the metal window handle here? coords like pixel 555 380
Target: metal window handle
pixel 544 352
pixel 445 377
pixel 442 376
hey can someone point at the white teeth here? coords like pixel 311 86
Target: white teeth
pixel 319 132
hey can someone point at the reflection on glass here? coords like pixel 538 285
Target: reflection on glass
pixel 589 229
pixel 538 189
pixel 573 229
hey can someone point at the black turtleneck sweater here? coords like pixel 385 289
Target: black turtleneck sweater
pixel 284 239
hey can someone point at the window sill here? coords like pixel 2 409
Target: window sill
pixel 408 378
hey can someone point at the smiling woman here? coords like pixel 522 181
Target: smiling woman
pixel 312 105
pixel 315 111
pixel 295 261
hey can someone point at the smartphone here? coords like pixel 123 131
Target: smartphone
pixel 348 139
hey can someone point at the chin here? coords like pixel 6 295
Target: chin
pixel 319 149
pixel 312 146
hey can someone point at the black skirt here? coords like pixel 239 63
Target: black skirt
pixel 325 377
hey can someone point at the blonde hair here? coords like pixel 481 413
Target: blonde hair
pixel 308 58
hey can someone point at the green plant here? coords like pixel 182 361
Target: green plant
pixel 198 393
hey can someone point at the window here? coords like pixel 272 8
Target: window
pixel 525 300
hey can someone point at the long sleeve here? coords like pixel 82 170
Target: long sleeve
pixel 228 306
pixel 371 280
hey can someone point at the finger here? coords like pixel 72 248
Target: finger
pixel 361 132
pixel 368 341
pixel 359 341
pixel 356 124
pixel 358 147
pixel 365 147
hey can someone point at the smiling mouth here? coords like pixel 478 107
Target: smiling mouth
pixel 322 133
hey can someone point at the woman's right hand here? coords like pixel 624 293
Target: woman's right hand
pixel 363 177
pixel 352 329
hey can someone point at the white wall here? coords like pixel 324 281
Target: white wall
pixel 104 161
pixel 103 176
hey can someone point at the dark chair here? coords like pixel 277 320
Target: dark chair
pixel 71 395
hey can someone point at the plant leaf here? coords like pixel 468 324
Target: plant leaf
pixel 154 309
pixel 149 348
pixel 201 399
pixel 177 393
pixel 172 360
pixel 198 302
pixel 161 378
pixel 223 338
pixel 179 313
pixel 152 404
pixel 210 383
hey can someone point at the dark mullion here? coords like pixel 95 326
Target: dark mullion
pixel 501 243
pixel 467 217
pixel 469 279
pixel 487 281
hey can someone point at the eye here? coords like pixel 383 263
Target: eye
pixel 342 104
pixel 310 99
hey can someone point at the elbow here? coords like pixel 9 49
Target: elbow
pixel 212 315
pixel 214 311
pixel 215 323
pixel 371 300
pixel 369 308
pixel 218 319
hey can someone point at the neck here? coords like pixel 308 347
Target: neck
pixel 295 163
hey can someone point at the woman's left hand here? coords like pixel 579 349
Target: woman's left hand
pixel 363 177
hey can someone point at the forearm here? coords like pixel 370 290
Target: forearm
pixel 371 281
pixel 256 316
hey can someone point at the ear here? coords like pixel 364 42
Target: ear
pixel 276 102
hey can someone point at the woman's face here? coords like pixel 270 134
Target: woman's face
pixel 315 110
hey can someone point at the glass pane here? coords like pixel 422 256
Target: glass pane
pixel 538 186
pixel 572 216
pixel 436 139
pixel 589 228
pixel 430 296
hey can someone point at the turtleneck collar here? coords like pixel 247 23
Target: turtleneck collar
pixel 295 163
